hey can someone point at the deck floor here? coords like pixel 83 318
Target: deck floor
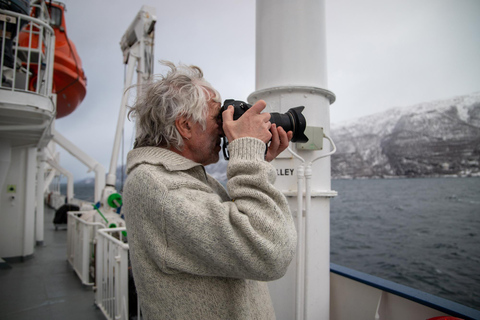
pixel 45 286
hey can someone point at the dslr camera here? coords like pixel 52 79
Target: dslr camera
pixel 292 120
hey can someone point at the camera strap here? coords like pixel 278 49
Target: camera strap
pixel 224 148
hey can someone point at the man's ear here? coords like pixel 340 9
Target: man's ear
pixel 184 127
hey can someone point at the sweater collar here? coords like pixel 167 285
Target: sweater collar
pixel 158 156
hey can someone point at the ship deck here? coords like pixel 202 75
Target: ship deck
pixel 45 286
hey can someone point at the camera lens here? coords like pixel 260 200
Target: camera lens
pixel 293 120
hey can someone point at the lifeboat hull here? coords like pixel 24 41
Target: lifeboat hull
pixel 70 84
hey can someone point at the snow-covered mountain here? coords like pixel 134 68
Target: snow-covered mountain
pixel 436 138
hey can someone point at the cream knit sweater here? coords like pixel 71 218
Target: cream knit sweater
pixel 198 252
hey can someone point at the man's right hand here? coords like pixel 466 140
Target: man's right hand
pixel 252 123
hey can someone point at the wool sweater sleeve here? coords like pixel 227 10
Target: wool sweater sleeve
pixel 185 227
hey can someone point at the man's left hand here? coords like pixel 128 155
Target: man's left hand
pixel 280 140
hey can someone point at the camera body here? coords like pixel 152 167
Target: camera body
pixel 292 120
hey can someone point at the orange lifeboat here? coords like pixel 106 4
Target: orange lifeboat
pixel 69 80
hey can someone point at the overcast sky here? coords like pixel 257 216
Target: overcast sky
pixel 380 54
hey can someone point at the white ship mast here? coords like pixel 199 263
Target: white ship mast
pixel 290 72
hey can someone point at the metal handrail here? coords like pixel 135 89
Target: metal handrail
pixel 111 268
pixel 37 59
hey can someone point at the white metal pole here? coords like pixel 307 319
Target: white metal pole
pixel 300 256
pixel 290 72
pixel 85 159
pixel 99 269
pixel 51 60
pixel 29 205
pixel 39 234
pixel 132 62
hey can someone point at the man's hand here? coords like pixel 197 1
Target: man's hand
pixel 280 140
pixel 252 123
pixel 255 124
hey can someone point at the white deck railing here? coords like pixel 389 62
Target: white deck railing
pixel 80 245
pixel 111 291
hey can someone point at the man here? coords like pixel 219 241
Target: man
pixel 198 252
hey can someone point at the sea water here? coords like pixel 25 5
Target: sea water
pixel 422 233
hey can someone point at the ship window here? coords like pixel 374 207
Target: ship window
pixel 55 17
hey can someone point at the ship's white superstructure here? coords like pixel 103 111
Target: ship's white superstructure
pixel 26 117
